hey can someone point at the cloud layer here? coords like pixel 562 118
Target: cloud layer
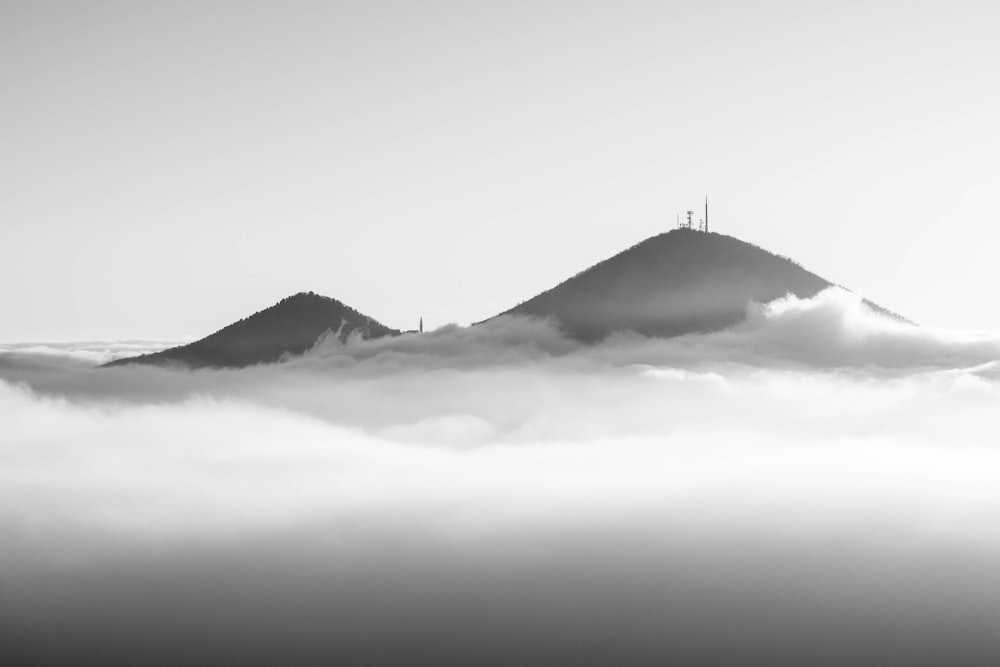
pixel 816 482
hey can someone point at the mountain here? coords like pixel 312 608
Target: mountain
pixel 678 282
pixel 291 326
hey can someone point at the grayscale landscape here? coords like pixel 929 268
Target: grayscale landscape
pixel 499 334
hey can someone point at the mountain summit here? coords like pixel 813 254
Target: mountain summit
pixel 291 326
pixel 679 282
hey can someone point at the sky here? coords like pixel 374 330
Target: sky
pixel 816 482
pixel 168 168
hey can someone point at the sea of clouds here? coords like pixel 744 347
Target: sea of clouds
pixel 818 484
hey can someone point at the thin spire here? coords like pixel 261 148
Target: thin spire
pixel 706 214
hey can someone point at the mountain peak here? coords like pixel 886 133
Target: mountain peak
pixel 291 326
pixel 678 282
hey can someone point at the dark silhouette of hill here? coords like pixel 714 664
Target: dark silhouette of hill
pixel 678 282
pixel 291 326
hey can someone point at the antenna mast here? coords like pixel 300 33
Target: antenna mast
pixel 706 214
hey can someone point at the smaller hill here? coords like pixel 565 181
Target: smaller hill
pixel 291 326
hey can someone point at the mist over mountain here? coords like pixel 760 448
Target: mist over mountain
pixel 291 326
pixel 816 481
pixel 732 497
pixel 679 282
pixel 675 283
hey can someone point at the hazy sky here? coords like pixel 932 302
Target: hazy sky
pixel 167 168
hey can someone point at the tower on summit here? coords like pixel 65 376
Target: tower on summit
pixel 689 222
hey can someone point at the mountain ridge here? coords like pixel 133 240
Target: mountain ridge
pixel 679 282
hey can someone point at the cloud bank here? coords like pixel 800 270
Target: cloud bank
pixel 85 352
pixel 818 484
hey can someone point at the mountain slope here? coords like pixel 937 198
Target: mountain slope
pixel 292 326
pixel 679 282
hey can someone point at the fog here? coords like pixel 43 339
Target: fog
pixel 817 484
